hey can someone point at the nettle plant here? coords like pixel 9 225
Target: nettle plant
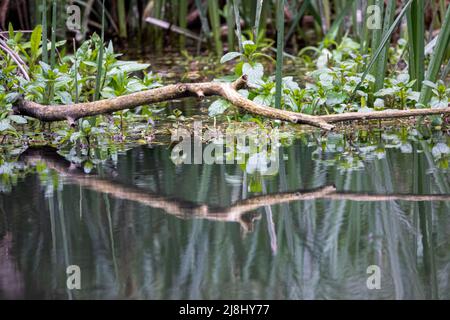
pixel 12 77
pixel 261 87
pixel 336 84
pixel 337 76
pixel 398 92
pixel 72 79
pixel 441 94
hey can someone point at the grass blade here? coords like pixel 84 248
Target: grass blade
pixel 122 18
pixel 377 34
pixel 213 9
pixel 333 30
pixel 386 38
pixel 416 35
pixel 237 17
pixel 280 48
pixel 75 67
pixel 382 62
pixel 203 18
pixel 44 32
pixel 183 8
pixel 297 18
pixel 53 37
pixel 98 78
pixel 230 25
pixel 436 59
pixel 259 6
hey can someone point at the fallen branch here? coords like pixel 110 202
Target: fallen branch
pixel 228 91
pixel 386 114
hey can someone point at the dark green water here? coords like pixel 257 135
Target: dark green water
pixel 136 230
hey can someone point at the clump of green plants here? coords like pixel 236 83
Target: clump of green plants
pixel 71 80
pixel 336 83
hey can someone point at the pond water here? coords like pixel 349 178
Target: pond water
pixel 141 227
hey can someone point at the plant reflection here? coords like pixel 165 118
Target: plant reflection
pixel 122 225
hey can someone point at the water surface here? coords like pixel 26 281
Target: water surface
pixel 141 227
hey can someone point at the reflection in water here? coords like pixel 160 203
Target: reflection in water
pixel 126 234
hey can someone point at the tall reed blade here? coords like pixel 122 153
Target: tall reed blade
pixel 416 37
pixel 203 17
pixel 98 79
pixel 297 18
pixel 122 18
pixel 259 6
pixel 182 20
pixel 159 39
pixel 44 32
pixel 333 30
pixel 386 37
pixel 213 9
pixel 376 33
pixel 436 59
pixel 230 25
pixel 75 68
pixel 53 38
pixel 324 10
pixel 381 65
pixel 280 49
pixel 237 17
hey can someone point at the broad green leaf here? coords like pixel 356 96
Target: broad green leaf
pixel 265 100
pixel 18 119
pixel 440 149
pixel 249 47
pixel 218 107
pixel 230 56
pixel 430 84
pixel 335 98
pixel 131 66
pixel 254 73
pixel 35 42
pixel 5 125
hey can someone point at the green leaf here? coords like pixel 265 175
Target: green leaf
pixel 12 97
pixel 335 98
pixel 88 167
pixel 130 66
pixel 230 56
pixel 65 97
pixel 18 119
pixel 249 47
pixel 5 125
pixel 437 58
pixel 440 149
pixel 90 63
pixel 264 100
pixel 384 41
pixel 430 84
pixel 11 31
pixel 289 83
pixel 254 73
pixel 218 107
pixel 35 41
